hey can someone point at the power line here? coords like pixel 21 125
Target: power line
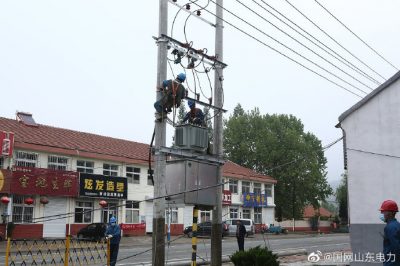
pixel 288 57
pixel 375 153
pixel 340 59
pixel 305 46
pixel 330 13
pixel 312 22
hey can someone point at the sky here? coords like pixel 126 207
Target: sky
pixel 91 65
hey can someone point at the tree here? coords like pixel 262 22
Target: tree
pixel 277 145
pixel 341 197
pixel 181 113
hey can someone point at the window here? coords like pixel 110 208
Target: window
pixel 83 212
pixel 85 167
pixel 245 187
pixel 109 211
pixel 132 212
pixel 22 213
pixel 110 169
pixel 174 215
pixel 1 162
pixel 233 213
pixel 57 162
pixel 246 214
pixel 205 216
pixel 133 174
pixel 26 159
pixel 233 186
pixel 257 188
pixel 257 215
pixel 268 190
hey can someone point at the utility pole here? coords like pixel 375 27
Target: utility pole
pixel 216 233
pixel 158 243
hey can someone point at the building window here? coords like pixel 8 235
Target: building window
pixel 174 215
pixel 257 188
pixel 133 174
pixel 132 212
pixel 108 212
pixel 83 212
pixel 268 190
pixel 26 159
pixel 110 169
pixel 245 187
pixel 85 167
pixel 1 162
pixel 246 214
pixel 233 213
pixel 205 216
pixel 57 162
pixel 22 213
pixel 257 215
pixel 233 186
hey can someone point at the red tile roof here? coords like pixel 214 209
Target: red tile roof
pixel 74 143
pixel 309 212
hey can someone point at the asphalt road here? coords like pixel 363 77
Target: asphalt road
pixel 140 253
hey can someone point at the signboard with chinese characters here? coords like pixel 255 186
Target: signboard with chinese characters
pixel 227 197
pixel 6 143
pixel 100 186
pixel 254 200
pixel 42 181
pixel 5 180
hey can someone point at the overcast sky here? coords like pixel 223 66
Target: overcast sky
pixel 91 65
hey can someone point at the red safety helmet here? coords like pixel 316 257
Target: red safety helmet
pixel 389 205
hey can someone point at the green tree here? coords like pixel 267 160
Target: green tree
pixel 341 197
pixel 277 145
pixel 181 113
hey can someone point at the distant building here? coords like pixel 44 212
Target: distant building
pixel 50 172
pixel 371 130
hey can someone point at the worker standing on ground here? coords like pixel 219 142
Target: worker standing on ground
pixel 195 115
pixel 240 234
pixel 391 237
pixel 114 234
pixel 173 93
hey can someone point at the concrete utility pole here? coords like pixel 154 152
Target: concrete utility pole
pixel 216 235
pixel 158 245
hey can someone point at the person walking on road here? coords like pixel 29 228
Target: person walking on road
pixel 240 234
pixel 391 237
pixel 114 234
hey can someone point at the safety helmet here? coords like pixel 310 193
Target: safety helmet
pixel 113 220
pixel 181 77
pixel 389 205
pixel 191 103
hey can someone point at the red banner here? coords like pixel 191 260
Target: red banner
pixel 133 226
pixel 227 197
pixel 6 143
pixel 41 181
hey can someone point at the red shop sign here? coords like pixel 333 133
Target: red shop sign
pixel 133 226
pixel 227 197
pixel 6 143
pixel 41 181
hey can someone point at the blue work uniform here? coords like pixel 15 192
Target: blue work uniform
pixel 194 116
pixel 391 243
pixel 115 231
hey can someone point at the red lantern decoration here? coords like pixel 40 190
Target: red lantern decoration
pixel 44 200
pixel 5 199
pixel 103 203
pixel 29 201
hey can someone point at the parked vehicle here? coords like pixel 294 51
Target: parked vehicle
pixel 204 229
pixel 248 223
pixel 94 231
pixel 276 229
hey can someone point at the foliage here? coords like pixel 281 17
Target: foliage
pixel 181 113
pixel 330 207
pixel 277 145
pixel 314 222
pixel 341 197
pixel 256 256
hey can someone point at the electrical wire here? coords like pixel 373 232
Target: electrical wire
pixel 330 13
pixel 291 49
pixel 312 22
pixel 284 55
pixel 375 153
pixel 335 55
pixel 305 46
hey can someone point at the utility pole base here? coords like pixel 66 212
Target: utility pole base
pixel 158 241
pixel 216 245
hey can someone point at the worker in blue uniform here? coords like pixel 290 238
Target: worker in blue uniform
pixel 195 115
pixel 391 237
pixel 113 233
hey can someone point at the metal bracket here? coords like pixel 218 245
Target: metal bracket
pixel 188 154
pixel 192 13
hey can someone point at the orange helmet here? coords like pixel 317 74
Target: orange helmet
pixel 389 205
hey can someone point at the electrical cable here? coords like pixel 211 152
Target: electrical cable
pixel 330 13
pixel 291 49
pixel 150 149
pixel 305 46
pixel 286 56
pixel 312 22
pixel 340 59
pixel 375 153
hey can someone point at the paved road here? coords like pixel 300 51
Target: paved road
pixel 181 250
